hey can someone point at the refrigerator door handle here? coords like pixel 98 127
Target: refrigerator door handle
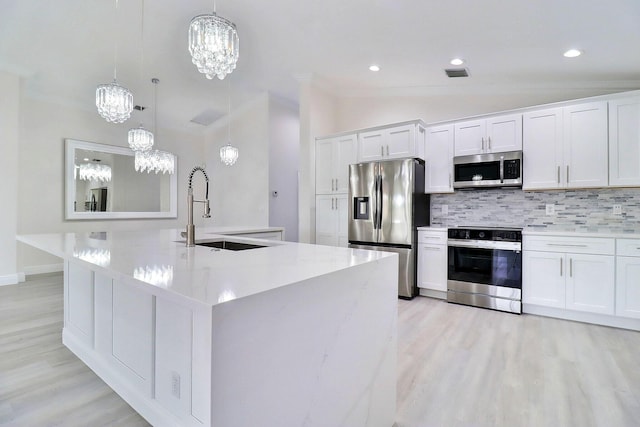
pixel 375 203
pixel 379 200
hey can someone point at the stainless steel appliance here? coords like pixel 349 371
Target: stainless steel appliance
pixel 485 268
pixel 386 204
pixel 488 170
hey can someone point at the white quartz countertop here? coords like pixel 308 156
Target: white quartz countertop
pixel 428 228
pixel 160 259
pixel 572 232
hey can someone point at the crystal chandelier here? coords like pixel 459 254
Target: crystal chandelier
pixel 94 172
pixel 114 102
pixel 228 154
pixel 140 139
pixel 154 161
pixel 213 44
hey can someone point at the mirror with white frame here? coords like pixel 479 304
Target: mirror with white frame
pixel 101 183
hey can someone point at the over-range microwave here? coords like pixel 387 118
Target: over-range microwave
pixel 488 170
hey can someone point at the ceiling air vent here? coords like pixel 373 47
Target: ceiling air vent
pixel 206 117
pixel 457 72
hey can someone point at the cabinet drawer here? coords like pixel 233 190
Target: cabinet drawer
pixel 432 237
pixel 628 247
pixel 576 245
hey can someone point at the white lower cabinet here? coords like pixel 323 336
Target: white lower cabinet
pixel 561 273
pixel 432 261
pixel 628 278
pixel 332 220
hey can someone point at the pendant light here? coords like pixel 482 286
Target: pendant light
pixel 155 160
pixel 213 44
pixel 229 153
pixel 114 102
pixel 140 139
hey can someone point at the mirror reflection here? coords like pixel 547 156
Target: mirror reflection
pixel 102 183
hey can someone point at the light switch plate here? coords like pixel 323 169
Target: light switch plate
pixel 550 209
pixel 617 209
pixel 445 209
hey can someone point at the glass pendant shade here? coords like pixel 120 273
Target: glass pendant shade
pixel 228 154
pixel 114 102
pixel 94 172
pixel 140 139
pixel 154 161
pixel 214 45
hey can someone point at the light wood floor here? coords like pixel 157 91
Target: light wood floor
pixel 458 366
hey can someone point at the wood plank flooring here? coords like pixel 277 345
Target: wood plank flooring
pixel 457 366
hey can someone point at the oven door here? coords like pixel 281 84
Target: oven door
pixel 486 266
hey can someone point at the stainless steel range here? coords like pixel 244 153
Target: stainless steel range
pixel 485 268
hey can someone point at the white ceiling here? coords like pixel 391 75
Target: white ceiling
pixel 65 48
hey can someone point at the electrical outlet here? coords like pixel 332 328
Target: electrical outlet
pixel 550 209
pixel 617 209
pixel 445 209
pixel 175 384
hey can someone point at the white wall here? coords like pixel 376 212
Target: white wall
pixel 40 172
pixel 239 194
pixel 317 118
pixel 9 141
pixel 284 151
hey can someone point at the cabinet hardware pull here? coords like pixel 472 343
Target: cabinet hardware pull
pixel 560 266
pixel 336 184
pixel 489 142
pixel 332 203
pixel 567 174
pixel 432 248
pixel 381 151
pixel 387 149
pixel 570 267
pixel 558 174
pixel 567 245
pixel 482 139
pixel 449 179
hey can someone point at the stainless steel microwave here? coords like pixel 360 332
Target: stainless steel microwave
pixel 488 170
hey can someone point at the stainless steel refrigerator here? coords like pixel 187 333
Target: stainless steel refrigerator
pixel 386 205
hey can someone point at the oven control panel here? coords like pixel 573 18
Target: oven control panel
pixel 494 234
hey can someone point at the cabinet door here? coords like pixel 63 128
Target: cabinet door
pixel 542 150
pixel 341 215
pixel 400 142
pixel 432 267
pixel 543 278
pixel 370 145
pixel 585 145
pixel 325 220
pixel 624 142
pixel 470 137
pixel 504 133
pixel 324 166
pixel 346 150
pixel 590 283
pixel 628 286
pixel 438 174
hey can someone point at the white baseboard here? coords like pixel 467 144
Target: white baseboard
pixel 432 293
pixel 579 316
pixel 43 269
pixel 11 279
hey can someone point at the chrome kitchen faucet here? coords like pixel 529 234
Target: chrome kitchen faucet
pixel 191 229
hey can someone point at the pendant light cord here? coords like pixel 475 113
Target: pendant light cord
pixel 229 111
pixel 115 53
pixel 155 106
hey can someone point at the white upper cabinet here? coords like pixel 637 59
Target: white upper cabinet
pixel 438 174
pixel 492 135
pixel 566 147
pixel 624 142
pixel 542 155
pixel 333 157
pixel 394 142
pixel 585 145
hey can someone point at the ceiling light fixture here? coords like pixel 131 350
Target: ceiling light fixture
pixel 572 53
pixel 155 160
pixel 114 102
pixel 374 67
pixel 457 61
pixel 140 139
pixel 213 44
pixel 229 153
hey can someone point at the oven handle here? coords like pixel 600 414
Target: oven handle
pixel 485 244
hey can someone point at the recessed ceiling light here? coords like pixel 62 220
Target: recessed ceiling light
pixel 374 68
pixel 457 61
pixel 572 53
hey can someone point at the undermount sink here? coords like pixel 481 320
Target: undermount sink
pixel 228 245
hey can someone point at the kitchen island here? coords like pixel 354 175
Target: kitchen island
pixel 286 334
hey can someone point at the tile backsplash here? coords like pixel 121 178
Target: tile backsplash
pixel 576 210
